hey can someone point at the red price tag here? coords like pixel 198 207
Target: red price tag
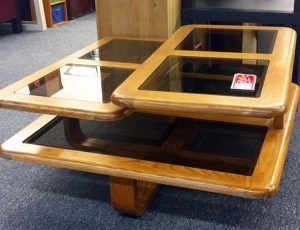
pixel 243 81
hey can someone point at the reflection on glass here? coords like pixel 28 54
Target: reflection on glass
pixel 172 140
pixel 122 50
pixel 205 76
pixel 241 41
pixel 78 82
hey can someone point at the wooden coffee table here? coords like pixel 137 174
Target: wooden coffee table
pixel 173 118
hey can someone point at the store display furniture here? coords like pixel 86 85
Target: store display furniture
pixel 274 12
pixel 48 4
pixel 9 13
pixel 147 112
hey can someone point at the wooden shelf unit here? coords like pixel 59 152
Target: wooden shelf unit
pixel 48 12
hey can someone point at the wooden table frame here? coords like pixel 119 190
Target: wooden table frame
pixel 134 182
pixel 271 104
pixel 66 107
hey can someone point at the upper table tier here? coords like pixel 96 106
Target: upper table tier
pixel 80 85
pixel 192 73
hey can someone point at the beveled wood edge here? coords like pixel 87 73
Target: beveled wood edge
pixel 268 105
pixel 267 122
pixel 143 101
pixel 274 176
pixel 225 183
pixel 226 55
pixel 75 109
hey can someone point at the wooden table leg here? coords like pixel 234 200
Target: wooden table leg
pixel 127 195
pixel 73 133
pixel 76 138
pixel 131 196
pixel 279 122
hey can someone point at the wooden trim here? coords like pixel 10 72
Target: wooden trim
pixel 48 13
pixel 263 183
pixel 272 102
pixel 67 107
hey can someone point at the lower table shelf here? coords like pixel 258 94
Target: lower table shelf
pixel 234 156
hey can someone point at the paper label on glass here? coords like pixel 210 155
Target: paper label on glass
pixel 243 81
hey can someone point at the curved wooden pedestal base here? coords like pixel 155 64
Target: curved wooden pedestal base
pixel 138 163
pixel 127 196
pixel 131 196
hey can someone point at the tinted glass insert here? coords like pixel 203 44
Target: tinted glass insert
pixel 78 82
pixel 121 50
pixel 228 139
pixel 187 142
pixel 205 76
pixel 241 41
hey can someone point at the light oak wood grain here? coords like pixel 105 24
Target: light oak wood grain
pixel 68 107
pixel 263 183
pixel 271 103
pixel 135 18
pixel 131 196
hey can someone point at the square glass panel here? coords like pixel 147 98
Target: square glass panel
pixel 78 82
pixel 221 40
pixel 228 139
pixel 172 140
pixel 205 76
pixel 122 50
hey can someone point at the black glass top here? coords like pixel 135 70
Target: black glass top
pixel 221 40
pixel 201 144
pixel 206 76
pixel 122 50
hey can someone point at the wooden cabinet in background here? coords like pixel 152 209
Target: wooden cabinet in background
pixel 49 6
pixel 136 18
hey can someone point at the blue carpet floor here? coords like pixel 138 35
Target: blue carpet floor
pixel 40 197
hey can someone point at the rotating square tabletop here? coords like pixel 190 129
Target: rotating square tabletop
pixel 81 85
pixel 195 70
